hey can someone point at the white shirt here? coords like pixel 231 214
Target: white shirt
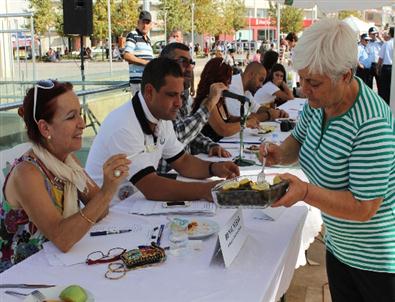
pixel 387 51
pixel 233 105
pixel 121 132
pixel 265 94
pixel 373 48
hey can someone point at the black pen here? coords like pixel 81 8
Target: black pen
pixel 111 232
pixel 162 226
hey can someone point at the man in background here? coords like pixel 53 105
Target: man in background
pixel 138 51
pixel 188 126
pixel 373 49
pixel 364 61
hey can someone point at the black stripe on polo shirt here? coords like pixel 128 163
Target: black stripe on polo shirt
pixel 138 110
pixel 174 158
pixel 141 174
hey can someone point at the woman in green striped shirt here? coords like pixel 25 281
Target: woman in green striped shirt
pixel 345 144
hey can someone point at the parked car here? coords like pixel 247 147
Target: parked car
pixel 158 46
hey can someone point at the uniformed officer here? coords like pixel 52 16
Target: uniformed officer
pixel 373 49
pixel 385 65
pixel 364 61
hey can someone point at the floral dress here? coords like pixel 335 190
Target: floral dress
pixel 19 237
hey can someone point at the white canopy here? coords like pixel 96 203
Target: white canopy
pixel 359 26
pixel 328 6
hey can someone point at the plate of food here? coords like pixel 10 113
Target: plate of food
pixel 245 192
pixel 252 149
pixel 199 228
pixel 267 127
pixel 64 293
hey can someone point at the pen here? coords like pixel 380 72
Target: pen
pixel 111 232
pixel 162 226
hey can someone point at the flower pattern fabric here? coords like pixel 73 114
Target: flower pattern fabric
pixel 19 237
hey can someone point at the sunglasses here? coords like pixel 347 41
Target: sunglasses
pixel 185 62
pixel 43 84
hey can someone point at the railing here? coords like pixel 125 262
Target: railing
pixel 115 85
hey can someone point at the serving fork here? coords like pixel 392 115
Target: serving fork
pixel 36 294
pixel 261 178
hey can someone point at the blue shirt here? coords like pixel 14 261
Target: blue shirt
pixel 363 56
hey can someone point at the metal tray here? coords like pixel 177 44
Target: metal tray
pixel 247 198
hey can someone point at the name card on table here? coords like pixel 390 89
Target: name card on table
pixel 230 240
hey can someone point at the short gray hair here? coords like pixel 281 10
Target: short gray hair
pixel 328 47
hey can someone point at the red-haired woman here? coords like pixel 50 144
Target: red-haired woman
pixel 220 123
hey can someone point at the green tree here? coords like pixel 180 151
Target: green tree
pixel 232 16
pixel 291 19
pixel 178 14
pixel 44 16
pixel 346 13
pixel 100 19
pixel 125 18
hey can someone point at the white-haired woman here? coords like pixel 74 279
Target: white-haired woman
pixel 345 143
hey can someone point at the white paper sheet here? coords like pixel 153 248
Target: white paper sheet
pixel 137 204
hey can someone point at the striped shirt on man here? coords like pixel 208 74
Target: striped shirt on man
pixel 355 152
pixel 139 46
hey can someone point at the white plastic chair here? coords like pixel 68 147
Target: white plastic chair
pixel 7 157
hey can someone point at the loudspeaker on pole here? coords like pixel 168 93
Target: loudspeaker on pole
pixel 77 17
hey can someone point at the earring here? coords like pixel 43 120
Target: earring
pixel 49 137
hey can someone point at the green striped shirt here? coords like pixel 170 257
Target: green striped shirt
pixel 355 152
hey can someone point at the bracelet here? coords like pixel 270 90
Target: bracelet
pixel 87 218
pixel 210 169
pixel 307 191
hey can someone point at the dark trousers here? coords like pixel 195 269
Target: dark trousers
pixel 366 75
pixel 375 74
pixel 348 284
pixel 385 83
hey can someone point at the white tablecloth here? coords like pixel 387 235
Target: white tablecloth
pixel 261 272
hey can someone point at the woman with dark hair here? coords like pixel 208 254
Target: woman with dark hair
pixel 49 207
pixel 269 59
pixel 215 76
pixel 275 89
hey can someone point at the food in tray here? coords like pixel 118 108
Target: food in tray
pixel 246 192
pixel 264 128
pixel 195 227
pixel 252 149
pixel 73 293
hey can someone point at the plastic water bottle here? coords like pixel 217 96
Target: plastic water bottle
pixel 178 236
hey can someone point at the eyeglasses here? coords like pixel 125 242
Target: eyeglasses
pixel 185 62
pixel 113 254
pixel 43 84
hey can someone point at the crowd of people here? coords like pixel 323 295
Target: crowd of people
pixel 375 60
pixel 344 130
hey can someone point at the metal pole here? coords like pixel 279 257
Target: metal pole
pixel 278 26
pixel 109 33
pixel 33 48
pixel 192 30
pixel 165 19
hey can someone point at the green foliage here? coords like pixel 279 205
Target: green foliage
pixel 100 19
pixel 210 16
pixel 291 19
pixel 346 13
pixel 125 18
pixel 44 15
pixel 178 14
pixel 232 17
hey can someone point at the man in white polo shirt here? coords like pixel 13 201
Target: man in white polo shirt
pixel 144 127
pixel 247 83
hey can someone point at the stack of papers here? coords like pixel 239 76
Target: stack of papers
pixel 137 204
